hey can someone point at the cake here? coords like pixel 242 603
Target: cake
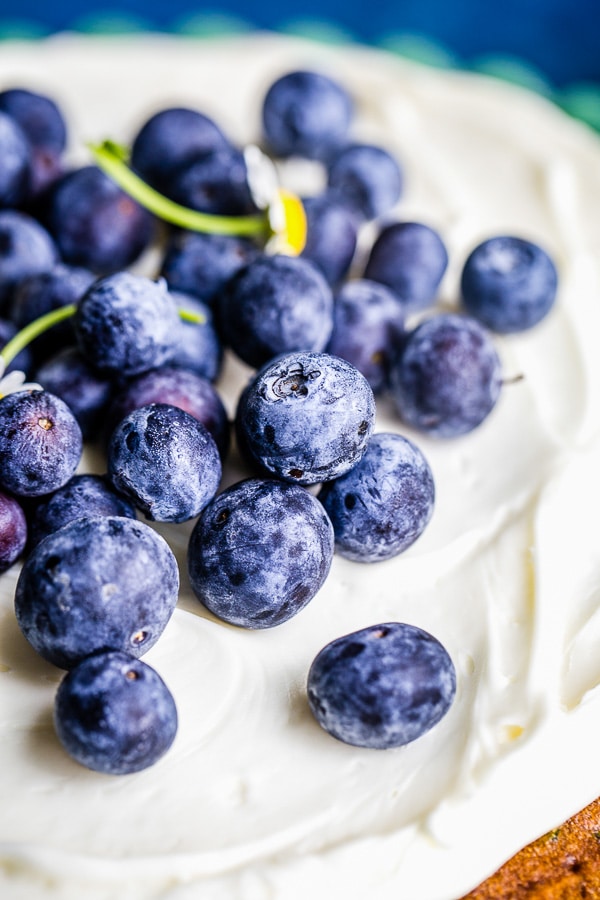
pixel 254 800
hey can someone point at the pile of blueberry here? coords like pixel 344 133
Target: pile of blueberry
pixel 132 367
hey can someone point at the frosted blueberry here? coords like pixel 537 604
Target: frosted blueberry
pixel 114 714
pixel 165 461
pixel 306 417
pixel 98 583
pixel 381 687
pixel 127 324
pixel 178 387
pixel 509 284
pixel 384 503
pixel 40 443
pixel 260 552
pixel 276 304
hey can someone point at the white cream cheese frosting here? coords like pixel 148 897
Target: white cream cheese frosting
pixel 254 800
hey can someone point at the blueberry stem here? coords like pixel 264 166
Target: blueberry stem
pixel 33 330
pixel 111 159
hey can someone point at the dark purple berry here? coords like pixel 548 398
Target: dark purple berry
pixel 114 714
pixel 13 531
pixel 381 687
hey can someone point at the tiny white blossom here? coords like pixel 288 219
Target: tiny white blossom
pixel 263 182
pixel 14 381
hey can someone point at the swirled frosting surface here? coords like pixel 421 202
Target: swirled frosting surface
pixel 254 801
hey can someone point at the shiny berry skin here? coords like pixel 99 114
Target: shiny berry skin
pixel 411 259
pixel 331 236
pixel 25 249
pixel 40 443
pixel 44 127
pixel 260 552
pixel 199 346
pixel 94 223
pixel 98 583
pixel 178 387
pixel 44 292
pixel 215 183
pixel 165 461
pixel 202 264
pixel 171 138
pixel 127 324
pixel 384 503
pixel 367 178
pixel 114 714
pixel 368 328
pixel 448 377
pixel 15 152
pixel 13 531
pixel 86 392
pixel 306 417
pixel 381 687
pixel 509 284
pixel 306 114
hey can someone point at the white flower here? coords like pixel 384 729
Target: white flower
pixel 14 381
pixel 287 219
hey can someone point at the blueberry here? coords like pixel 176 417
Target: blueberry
pixel 276 304
pixel 95 223
pixel 381 687
pixel 306 114
pixel 260 552
pixel 25 249
pixel 215 183
pixel 38 116
pixel 170 139
pixel 40 443
pixel 23 361
pixel 13 531
pixel 44 127
pixel 15 153
pixel 86 392
pixel 44 292
pixel 509 284
pixel 384 503
pixel 410 258
pixel 368 326
pixel 177 387
pixel 306 417
pixel 82 495
pixel 448 377
pixel 331 236
pixel 199 346
pixel 165 461
pixel 115 714
pixel 99 583
pixel 367 178
pixel 201 264
pixel 127 324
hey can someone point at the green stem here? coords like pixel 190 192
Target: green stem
pixel 110 158
pixel 34 329
pixel 43 323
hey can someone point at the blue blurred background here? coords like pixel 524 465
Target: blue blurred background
pixel 553 45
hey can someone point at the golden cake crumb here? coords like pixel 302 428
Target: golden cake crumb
pixel 561 865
